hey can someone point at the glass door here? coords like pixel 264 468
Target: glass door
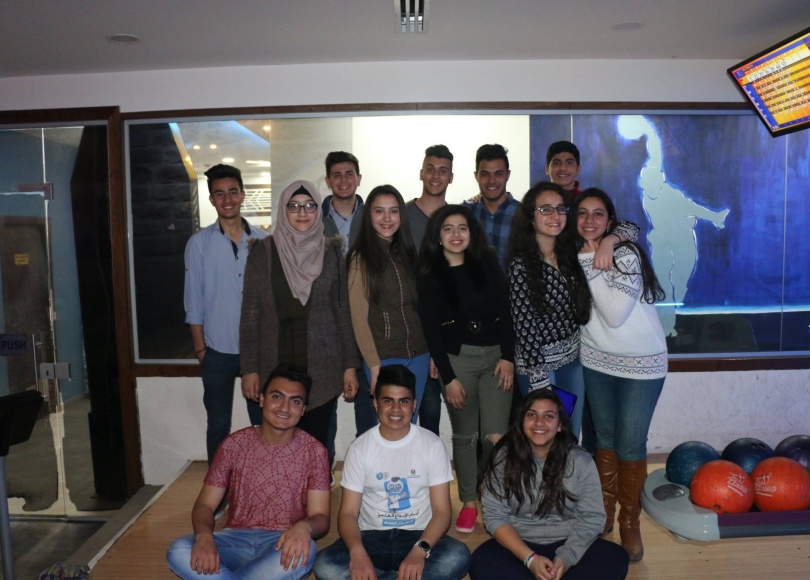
pixel 34 468
pixel 54 321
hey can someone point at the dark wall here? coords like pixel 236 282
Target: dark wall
pixel 164 215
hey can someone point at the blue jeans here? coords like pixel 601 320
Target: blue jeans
pixel 622 410
pixel 418 365
pixel 242 554
pixel 219 371
pixel 603 559
pixel 430 414
pixel 448 560
pixel 365 417
pixel 568 377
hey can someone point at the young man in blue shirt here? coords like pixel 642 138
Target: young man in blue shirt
pixel 215 261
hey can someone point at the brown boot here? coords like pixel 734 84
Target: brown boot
pixel 608 476
pixel 631 482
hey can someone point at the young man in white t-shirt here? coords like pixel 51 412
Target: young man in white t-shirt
pixel 395 507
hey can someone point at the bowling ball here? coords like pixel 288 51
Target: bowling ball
pixel 723 487
pixel 746 452
pixel 796 447
pixel 781 484
pixel 686 458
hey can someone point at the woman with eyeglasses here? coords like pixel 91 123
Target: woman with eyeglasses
pixel 464 308
pixel 382 291
pixel 624 355
pixel 295 309
pixel 548 294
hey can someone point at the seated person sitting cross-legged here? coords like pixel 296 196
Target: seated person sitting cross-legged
pixel 277 477
pixel 395 507
pixel 542 503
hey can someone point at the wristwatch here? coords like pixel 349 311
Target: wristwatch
pixel 424 546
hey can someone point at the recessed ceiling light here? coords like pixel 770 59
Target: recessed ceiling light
pixel 195 147
pixel 227 159
pixel 123 38
pixel 267 128
pixel 622 26
pixel 212 146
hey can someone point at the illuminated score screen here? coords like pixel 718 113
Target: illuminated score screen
pixel 777 82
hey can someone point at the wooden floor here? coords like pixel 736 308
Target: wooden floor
pixel 140 552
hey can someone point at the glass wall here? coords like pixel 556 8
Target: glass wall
pixel 721 205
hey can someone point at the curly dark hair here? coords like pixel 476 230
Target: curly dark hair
pixel 514 453
pixel 523 245
pixel 431 254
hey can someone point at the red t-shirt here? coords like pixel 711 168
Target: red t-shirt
pixel 268 484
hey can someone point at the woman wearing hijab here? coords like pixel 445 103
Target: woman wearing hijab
pixel 295 309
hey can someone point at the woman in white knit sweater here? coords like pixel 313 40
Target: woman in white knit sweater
pixel 624 358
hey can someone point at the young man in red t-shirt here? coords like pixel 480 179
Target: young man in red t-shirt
pixel 277 478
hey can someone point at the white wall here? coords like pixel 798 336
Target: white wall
pixel 391 150
pixel 391 82
pixel 713 407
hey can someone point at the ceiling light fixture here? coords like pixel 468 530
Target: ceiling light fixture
pixel 412 15
pixel 123 38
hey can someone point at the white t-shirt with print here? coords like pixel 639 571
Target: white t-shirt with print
pixel 395 476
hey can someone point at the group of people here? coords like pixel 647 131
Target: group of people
pixel 392 304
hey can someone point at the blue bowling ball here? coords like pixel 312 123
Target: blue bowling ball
pixel 686 459
pixel 795 447
pixel 747 452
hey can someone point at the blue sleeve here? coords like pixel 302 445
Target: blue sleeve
pixel 194 282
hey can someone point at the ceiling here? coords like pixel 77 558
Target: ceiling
pixel 48 37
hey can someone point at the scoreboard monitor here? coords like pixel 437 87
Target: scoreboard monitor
pixel 777 84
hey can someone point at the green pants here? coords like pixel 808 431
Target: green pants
pixel 485 413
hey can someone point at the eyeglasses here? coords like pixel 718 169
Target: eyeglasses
pixel 550 209
pixel 295 207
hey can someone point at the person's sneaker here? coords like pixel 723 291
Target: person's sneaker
pixel 466 520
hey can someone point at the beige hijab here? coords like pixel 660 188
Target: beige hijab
pixel 301 253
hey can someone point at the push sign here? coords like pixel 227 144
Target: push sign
pixel 13 345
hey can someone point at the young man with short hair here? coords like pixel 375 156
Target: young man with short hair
pixel 215 266
pixel 495 206
pixel 342 209
pixel 277 478
pixel 436 175
pixel 395 508
pixel 342 216
pixel 562 166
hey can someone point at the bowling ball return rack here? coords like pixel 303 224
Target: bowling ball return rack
pixel 668 504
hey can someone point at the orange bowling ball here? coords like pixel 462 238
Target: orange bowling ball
pixel 723 487
pixel 781 484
